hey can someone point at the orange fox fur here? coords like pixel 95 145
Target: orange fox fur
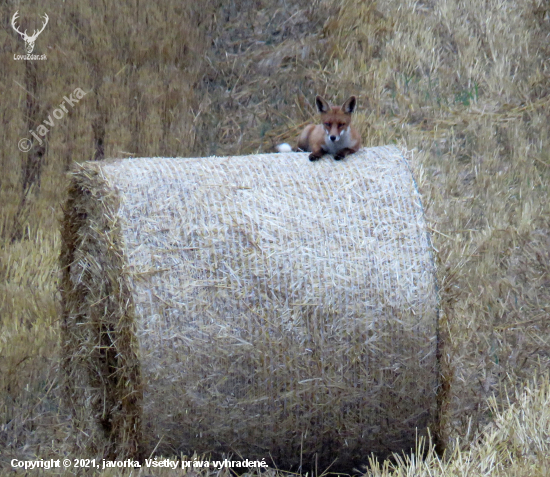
pixel 335 135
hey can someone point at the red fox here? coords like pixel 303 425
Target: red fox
pixel 335 136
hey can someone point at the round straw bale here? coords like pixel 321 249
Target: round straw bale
pixel 263 305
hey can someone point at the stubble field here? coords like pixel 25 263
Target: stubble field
pixel 464 84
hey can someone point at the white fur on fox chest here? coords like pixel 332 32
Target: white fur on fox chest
pixel 344 141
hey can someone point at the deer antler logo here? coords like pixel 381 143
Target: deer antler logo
pixel 29 40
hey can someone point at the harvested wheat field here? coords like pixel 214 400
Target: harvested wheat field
pixel 464 86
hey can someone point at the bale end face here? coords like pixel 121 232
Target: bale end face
pixel 100 365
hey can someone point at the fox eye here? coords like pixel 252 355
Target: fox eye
pixel 328 125
pixel 341 125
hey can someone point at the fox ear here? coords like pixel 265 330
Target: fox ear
pixel 322 105
pixel 349 106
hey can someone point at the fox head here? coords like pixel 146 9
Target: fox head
pixel 336 120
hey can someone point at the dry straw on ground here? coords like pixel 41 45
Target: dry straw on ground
pixel 261 305
pixel 465 83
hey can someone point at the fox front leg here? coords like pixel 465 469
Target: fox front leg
pixel 343 153
pixel 316 154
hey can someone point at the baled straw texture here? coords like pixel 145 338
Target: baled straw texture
pixel 262 305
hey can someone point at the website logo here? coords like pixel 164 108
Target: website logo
pixel 29 40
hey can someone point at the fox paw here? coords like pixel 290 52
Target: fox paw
pixel 314 157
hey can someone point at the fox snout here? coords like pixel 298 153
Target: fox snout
pixel 334 132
